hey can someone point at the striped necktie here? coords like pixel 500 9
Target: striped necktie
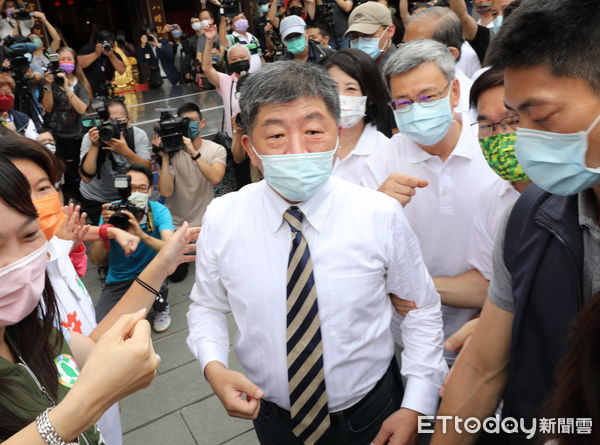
pixel 306 377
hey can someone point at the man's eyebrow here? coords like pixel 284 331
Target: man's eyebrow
pixel 528 104
pixel 272 122
pixel 315 116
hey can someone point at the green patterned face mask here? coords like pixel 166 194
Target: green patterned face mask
pixel 499 152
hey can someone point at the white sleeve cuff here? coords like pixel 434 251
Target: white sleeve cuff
pixel 212 352
pixel 420 396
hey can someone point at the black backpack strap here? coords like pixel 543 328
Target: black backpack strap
pixel 130 138
pixel 522 214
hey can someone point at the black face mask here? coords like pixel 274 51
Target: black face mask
pixel 240 66
pixel 296 10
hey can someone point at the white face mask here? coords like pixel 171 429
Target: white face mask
pixel 352 110
pixel 197 26
pixel 139 199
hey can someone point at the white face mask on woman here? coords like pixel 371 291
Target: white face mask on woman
pixel 21 286
pixel 352 110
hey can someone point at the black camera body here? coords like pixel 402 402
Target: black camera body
pixel 106 46
pixel 325 13
pixel 21 12
pixel 171 130
pixel 231 8
pixel 17 53
pixel 119 219
pixel 54 68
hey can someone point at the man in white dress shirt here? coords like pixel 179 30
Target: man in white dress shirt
pixel 437 154
pixel 305 262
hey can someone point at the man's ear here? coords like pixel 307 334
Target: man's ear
pixel 455 99
pixel 454 51
pixel 202 124
pixel 247 145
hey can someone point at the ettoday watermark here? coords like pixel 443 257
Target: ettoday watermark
pixel 508 425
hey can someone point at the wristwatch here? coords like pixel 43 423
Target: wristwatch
pixel 196 157
pixel 46 89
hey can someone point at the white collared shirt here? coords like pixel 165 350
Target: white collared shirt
pixel 494 201
pixel 440 214
pixel 354 165
pixel 361 247
pixel 469 62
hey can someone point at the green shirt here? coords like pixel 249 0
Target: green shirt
pixel 27 400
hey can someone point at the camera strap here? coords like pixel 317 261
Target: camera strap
pixel 150 219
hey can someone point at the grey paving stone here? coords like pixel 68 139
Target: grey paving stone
pixel 248 438
pixel 210 424
pixel 168 430
pixel 168 393
pixel 173 351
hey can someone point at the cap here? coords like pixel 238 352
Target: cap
pixel 368 17
pixel 292 24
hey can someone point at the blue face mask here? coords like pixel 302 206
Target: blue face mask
pixel 556 161
pixel 368 45
pixel 299 176
pixel 425 124
pixel 193 129
pixel 497 23
pixel 176 33
pixel 264 8
pixel 296 45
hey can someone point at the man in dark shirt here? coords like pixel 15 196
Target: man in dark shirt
pixel 99 63
pixel 297 43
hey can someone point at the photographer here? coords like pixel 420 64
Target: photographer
pixel 153 224
pixel 292 7
pixel 11 25
pixel 187 176
pixel 100 161
pixel 9 117
pixel 334 14
pixel 39 60
pixel 99 62
pixel 66 97
pixel 158 56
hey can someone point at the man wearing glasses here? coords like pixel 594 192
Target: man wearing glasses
pixel 436 157
pixel 154 225
pixel 101 160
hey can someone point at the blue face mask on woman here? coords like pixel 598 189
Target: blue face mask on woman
pixel 297 176
pixel 556 161
pixel 425 123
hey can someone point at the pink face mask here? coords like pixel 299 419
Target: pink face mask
pixel 21 286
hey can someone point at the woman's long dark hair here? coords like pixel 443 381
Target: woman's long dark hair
pixel 363 69
pixel 576 393
pixel 31 336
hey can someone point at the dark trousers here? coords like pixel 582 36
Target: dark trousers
pixel 357 425
pixel 68 151
pixel 92 208
pixel 112 293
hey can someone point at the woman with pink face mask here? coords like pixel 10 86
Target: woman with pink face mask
pixel 11 118
pixel 54 386
pixel 66 97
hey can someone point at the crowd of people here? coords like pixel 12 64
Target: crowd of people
pixel 412 250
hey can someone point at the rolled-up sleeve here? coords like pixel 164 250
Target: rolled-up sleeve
pixel 421 331
pixel 208 337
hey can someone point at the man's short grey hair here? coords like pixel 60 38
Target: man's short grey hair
pixel 410 55
pixel 283 82
pixel 449 28
pixel 239 45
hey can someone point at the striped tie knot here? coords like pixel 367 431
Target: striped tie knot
pixel 294 216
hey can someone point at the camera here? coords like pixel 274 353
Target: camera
pixel 325 13
pixel 106 46
pixel 54 68
pixel 107 128
pixel 171 130
pixel 150 37
pixel 20 12
pixel 230 7
pixel 123 185
pixel 18 49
